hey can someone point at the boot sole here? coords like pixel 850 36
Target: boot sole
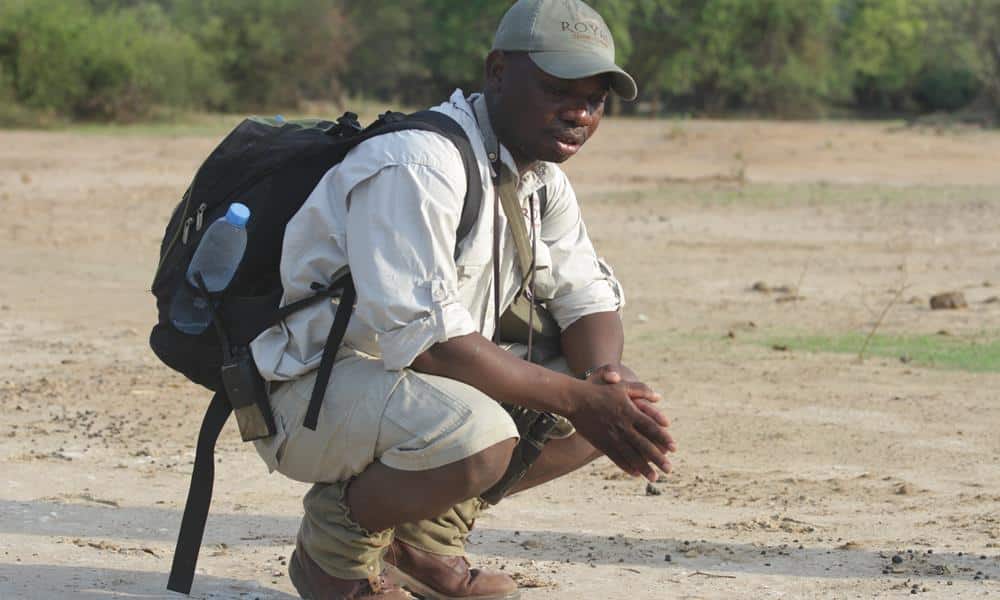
pixel 426 593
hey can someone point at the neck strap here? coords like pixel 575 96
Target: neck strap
pixel 489 137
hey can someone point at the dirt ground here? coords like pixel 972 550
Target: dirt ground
pixel 800 475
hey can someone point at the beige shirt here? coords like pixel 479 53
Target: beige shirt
pixel 390 210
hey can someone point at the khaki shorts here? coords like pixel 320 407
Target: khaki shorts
pixel 407 420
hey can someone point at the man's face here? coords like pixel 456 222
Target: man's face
pixel 538 116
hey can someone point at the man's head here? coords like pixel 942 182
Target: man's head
pixel 548 77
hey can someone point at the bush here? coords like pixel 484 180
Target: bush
pixel 271 53
pixel 945 87
pixel 63 57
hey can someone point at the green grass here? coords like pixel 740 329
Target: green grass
pixel 979 354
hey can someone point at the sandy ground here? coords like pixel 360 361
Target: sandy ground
pixel 800 475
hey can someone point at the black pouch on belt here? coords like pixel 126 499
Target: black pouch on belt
pixel 534 427
pixel 245 389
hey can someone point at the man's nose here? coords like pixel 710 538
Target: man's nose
pixel 580 114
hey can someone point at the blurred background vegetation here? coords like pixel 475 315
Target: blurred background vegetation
pixel 129 60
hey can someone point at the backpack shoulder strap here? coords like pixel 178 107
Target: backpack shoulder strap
pixel 543 200
pixel 442 124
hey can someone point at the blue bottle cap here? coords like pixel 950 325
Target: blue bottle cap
pixel 238 214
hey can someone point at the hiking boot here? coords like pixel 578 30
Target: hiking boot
pixel 439 577
pixel 313 583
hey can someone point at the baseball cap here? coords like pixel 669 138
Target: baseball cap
pixel 566 39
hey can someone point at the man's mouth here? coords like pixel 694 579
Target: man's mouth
pixel 570 141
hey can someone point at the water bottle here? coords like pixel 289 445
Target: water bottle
pixel 217 257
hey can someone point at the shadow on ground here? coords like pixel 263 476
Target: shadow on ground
pixel 43 517
pixel 46 518
pixel 55 582
pixel 733 558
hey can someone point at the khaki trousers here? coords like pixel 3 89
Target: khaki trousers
pixel 404 419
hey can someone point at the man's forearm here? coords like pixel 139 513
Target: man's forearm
pixel 474 360
pixel 592 341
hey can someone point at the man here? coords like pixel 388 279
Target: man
pixel 411 431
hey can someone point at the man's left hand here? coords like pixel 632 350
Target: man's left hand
pixel 642 395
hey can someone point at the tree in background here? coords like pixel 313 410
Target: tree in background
pixel 767 56
pixel 980 21
pixel 61 56
pixel 417 52
pixel 270 52
pixel 905 55
pixel 118 59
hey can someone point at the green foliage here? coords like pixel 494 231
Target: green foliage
pixel 417 52
pixel 270 53
pixel 59 55
pixel 881 49
pixel 118 59
pixel 980 21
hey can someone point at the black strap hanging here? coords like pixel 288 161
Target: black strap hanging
pixel 337 331
pixel 199 497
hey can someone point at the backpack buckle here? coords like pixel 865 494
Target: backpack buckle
pixel 350 121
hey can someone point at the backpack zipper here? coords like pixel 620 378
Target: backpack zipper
pixel 187 230
pixel 200 217
pixel 187 223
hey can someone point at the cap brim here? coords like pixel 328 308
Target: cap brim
pixel 577 65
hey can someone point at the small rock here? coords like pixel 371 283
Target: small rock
pixel 780 347
pixel 668 558
pixel 948 301
pixel 992 300
pixel 903 489
pixel 896 559
pixel 652 490
pixel 761 287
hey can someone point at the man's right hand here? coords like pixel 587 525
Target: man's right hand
pixel 620 420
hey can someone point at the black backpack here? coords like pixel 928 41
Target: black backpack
pixel 272 166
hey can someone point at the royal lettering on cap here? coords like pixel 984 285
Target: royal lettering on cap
pixel 586 29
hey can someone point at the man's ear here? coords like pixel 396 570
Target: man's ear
pixel 495 66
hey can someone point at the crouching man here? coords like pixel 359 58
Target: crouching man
pixel 412 431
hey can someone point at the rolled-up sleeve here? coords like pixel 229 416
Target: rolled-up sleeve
pixel 402 223
pixel 582 283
